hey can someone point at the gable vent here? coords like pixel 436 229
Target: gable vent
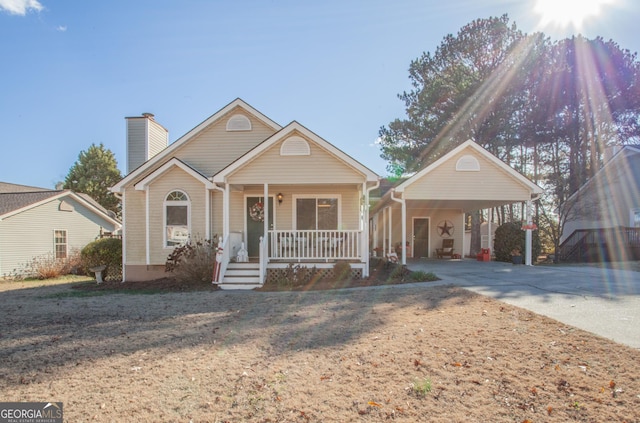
pixel 238 123
pixel 467 163
pixel 64 206
pixel 295 146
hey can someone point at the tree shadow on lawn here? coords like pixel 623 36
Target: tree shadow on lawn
pixel 43 331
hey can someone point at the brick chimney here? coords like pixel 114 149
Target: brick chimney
pixel 145 139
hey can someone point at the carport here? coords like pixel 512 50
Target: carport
pixel 430 206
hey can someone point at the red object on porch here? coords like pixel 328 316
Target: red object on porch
pixel 484 255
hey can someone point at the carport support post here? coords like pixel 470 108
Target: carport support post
pixel 403 207
pixel 528 237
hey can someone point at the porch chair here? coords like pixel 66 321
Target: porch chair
pixel 447 249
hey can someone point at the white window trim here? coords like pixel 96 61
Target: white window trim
pixel 315 196
pixel 166 203
pixel 632 215
pixel 468 163
pixel 238 123
pixel 66 244
pixel 295 146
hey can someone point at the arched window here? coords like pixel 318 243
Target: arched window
pixel 177 211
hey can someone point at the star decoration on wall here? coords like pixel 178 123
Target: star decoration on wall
pixel 445 228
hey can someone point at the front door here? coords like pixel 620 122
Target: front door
pixel 255 224
pixel 421 237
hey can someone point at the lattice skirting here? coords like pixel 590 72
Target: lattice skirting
pixel 114 274
pixel 275 275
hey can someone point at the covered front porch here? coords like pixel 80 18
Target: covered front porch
pixel 294 198
pixel 278 226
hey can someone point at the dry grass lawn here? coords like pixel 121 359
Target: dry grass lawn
pixel 406 354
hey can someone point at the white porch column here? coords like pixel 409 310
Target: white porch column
pixel 489 236
pixel 226 211
pixel 403 224
pixel 366 248
pixel 265 206
pixel 124 235
pixel 147 229
pixel 384 231
pixel 464 238
pixel 207 212
pixel 374 229
pixel 404 232
pixel 390 217
pixel 529 237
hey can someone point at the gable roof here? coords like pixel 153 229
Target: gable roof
pixel 18 202
pixel 6 187
pixel 535 189
pixel 167 152
pixel 14 201
pixel 625 152
pixel 173 162
pixel 282 134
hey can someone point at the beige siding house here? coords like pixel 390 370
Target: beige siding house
pixel 41 223
pixel 430 206
pixel 283 194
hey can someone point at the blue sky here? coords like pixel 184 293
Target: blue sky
pixel 73 70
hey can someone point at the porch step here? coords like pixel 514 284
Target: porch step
pixel 241 276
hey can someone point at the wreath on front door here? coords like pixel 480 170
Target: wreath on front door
pixel 256 212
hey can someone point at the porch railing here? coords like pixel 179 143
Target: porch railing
pixel 601 244
pixel 315 245
pixel 226 256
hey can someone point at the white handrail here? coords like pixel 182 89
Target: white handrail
pixel 226 254
pixel 323 244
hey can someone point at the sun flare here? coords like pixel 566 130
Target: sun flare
pixel 566 13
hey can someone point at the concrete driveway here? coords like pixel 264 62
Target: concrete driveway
pixel 602 301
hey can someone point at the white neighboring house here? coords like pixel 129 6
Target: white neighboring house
pixel 38 222
pixel 602 218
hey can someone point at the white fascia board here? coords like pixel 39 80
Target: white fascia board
pixel 33 205
pixel 535 189
pixel 221 176
pixel 62 194
pixel 623 152
pixel 119 187
pixel 144 183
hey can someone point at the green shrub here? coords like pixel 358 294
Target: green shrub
pixel 421 387
pixel 510 237
pixel 193 261
pixel 397 272
pixel 295 275
pixel 104 251
pixel 422 276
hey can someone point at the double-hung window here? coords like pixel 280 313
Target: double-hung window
pixel 319 213
pixel 60 243
pixel 176 214
pixel 635 218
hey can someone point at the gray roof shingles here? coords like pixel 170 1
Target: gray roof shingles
pixel 16 200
